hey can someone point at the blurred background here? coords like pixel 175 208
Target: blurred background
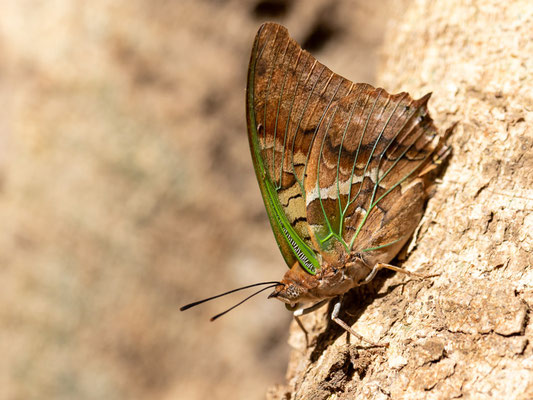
pixel 127 190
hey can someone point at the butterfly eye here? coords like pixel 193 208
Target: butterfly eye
pixel 292 306
pixel 292 292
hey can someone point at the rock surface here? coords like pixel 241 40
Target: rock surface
pixel 466 333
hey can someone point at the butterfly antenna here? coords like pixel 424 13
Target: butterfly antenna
pixel 194 304
pixel 242 301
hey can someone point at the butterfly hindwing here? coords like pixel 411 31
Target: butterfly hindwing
pixel 366 184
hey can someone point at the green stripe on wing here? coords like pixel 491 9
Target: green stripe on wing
pixel 291 245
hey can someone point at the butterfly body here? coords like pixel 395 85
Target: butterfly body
pixel 344 169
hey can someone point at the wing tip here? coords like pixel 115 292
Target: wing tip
pixel 424 99
pixel 270 25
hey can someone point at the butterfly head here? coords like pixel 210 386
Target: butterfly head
pixel 297 287
pixel 288 292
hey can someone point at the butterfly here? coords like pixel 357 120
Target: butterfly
pixel 344 170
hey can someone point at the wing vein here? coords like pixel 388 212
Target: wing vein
pixel 278 185
pixel 273 63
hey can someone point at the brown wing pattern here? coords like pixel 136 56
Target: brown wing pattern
pixel 292 92
pixel 366 179
pixel 347 161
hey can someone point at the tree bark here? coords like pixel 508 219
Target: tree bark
pixel 467 332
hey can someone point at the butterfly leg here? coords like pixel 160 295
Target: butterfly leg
pixel 302 311
pixel 335 318
pixel 302 327
pixel 379 266
pixel 316 306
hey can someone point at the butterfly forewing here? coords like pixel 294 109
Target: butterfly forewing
pixel 288 95
pixel 340 165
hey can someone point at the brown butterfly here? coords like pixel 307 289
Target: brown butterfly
pixel 344 170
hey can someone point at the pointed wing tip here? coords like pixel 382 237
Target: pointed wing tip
pixel 269 25
pixel 269 32
pixel 450 130
pixel 424 99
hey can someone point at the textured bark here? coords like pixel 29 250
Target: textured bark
pixel 466 333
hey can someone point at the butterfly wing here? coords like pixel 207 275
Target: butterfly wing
pixel 288 95
pixel 369 173
pixel 342 167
